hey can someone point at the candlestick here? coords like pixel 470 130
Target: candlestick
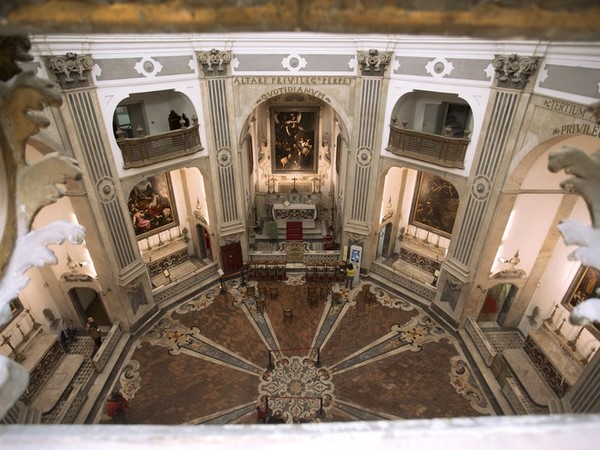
pixel 573 342
pixel 587 358
pixel 6 341
pixel 557 331
pixel 551 318
pixel 18 326
pixel 36 325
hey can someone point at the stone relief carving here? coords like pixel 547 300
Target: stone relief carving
pixel 71 69
pixel 26 188
pixel 373 62
pixel 214 62
pixel 513 70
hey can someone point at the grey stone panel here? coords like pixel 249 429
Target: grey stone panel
pixel 412 66
pixel 314 63
pixel 118 69
pixel 574 80
pixel 174 65
pixel 464 69
pixel 469 69
pixel 124 68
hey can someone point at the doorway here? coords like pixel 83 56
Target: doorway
pixel 383 246
pixel 88 303
pixel 203 242
pixel 497 303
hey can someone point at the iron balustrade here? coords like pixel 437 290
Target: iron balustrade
pixel 145 150
pixel 441 150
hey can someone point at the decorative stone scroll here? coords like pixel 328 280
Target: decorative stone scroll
pixel 71 69
pixel 514 71
pixel 373 62
pixel 25 188
pixel 214 62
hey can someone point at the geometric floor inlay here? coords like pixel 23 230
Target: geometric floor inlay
pixel 384 358
pixel 297 389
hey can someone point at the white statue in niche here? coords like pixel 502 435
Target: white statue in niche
pixel 585 180
pixel 25 190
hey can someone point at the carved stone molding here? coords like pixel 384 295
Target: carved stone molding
pixel 214 62
pixel 373 63
pixel 513 70
pixel 71 70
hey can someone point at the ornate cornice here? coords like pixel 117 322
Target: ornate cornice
pixel 513 70
pixel 214 62
pixel 71 70
pixel 373 63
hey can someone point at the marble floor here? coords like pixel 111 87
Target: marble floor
pixel 214 358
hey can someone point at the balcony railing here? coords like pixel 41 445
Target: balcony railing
pixel 146 150
pixel 441 150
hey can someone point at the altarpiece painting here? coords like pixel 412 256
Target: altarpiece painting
pixel 151 205
pixel 294 139
pixel 435 204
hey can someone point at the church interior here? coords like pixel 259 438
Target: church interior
pixel 226 183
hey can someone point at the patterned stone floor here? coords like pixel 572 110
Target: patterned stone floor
pixel 213 359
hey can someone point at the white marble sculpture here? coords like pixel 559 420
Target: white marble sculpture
pixel 585 180
pixel 25 189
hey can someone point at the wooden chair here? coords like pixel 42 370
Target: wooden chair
pixel 288 315
pixel 313 297
pixel 281 271
pixel 273 292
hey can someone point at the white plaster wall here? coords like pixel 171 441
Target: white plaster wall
pixel 391 190
pixel 526 232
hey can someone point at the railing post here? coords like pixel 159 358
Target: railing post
pixel 321 412
pixel 270 366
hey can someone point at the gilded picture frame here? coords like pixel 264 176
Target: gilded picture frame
pixel 294 141
pixel 151 206
pixel 435 204
pixel 584 286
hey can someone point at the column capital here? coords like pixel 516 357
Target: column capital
pixel 373 63
pixel 71 70
pixel 214 62
pixel 514 71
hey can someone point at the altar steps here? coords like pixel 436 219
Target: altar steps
pixel 312 230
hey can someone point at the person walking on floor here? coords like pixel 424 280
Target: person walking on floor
pixel 350 271
pixel 94 331
pixel 116 407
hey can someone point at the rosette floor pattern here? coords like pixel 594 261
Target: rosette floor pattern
pixel 369 356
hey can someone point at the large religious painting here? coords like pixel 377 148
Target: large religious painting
pixel 294 139
pixel 151 205
pixel 584 286
pixel 435 204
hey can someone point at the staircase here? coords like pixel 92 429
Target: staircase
pixel 293 231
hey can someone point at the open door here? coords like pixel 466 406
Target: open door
pixel 88 303
pixel 498 300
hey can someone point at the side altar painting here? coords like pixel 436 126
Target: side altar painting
pixel 584 286
pixel 435 204
pixel 151 205
pixel 294 143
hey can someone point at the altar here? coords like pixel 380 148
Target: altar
pixel 294 211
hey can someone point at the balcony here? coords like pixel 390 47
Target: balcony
pixel 444 151
pixel 145 150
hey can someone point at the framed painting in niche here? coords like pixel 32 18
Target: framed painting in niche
pixel 584 286
pixel 151 205
pixel 435 204
pixel 294 146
